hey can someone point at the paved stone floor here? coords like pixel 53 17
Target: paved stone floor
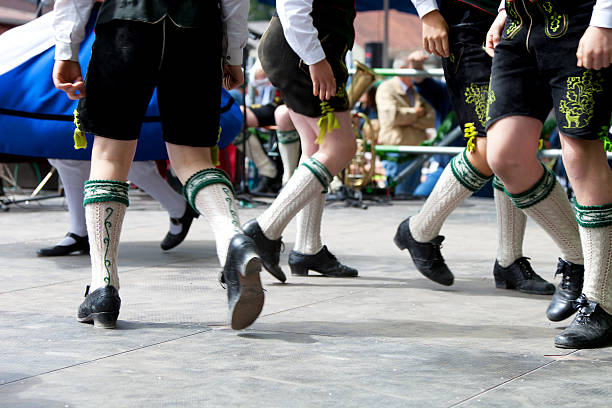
pixel 390 338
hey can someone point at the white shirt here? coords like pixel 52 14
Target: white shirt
pixel 601 17
pixel 71 17
pixel 299 30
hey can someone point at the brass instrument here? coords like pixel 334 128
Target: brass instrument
pixel 361 169
pixel 362 79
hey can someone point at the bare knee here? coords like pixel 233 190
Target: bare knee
pixel 282 118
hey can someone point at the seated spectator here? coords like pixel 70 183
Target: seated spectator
pixel 404 117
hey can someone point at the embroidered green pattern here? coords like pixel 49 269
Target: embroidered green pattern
pixel 477 95
pixel 593 216
pixel 466 174
pixel 320 171
pixel 286 137
pixel 604 135
pixel 202 179
pixel 537 193
pixel 498 184
pixel 229 198
pixel 490 99
pixel 556 24
pixel 516 21
pixel 99 191
pixel 106 241
pixel 579 102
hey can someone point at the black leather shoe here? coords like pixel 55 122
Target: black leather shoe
pixel 591 328
pixel 426 255
pixel 269 250
pixel 520 276
pixel 323 262
pixel 245 295
pixel 562 304
pixel 100 307
pixel 172 240
pixel 81 246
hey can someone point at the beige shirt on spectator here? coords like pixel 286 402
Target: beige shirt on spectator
pixel 399 120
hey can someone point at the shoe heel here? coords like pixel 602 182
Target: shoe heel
pixel 398 242
pixel 298 270
pixel 500 283
pixel 106 320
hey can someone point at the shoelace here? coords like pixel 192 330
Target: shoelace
pixel 582 306
pixel 526 268
pixel 569 276
pixel 329 254
pixel 437 246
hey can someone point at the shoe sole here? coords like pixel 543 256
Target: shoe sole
pixel 102 320
pixel 251 299
pixel 599 344
pixel 298 270
pixel 499 284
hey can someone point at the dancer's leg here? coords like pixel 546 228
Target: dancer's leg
pixel 73 174
pixel 591 177
pixel 288 142
pixel 209 191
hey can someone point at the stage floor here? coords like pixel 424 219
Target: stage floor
pixel 390 338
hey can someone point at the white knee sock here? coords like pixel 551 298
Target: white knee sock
pixel 211 193
pixel 547 204
pixel 289 149
pixel 596 235
pixel 459 180
pixel 74 174
pixel 105 204
pixel 308 235
pixel 256 153
pixel 145 175
pixel 307 183
pixel 510 227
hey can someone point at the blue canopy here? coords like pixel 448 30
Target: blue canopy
pixel 368 5
pixel 36 119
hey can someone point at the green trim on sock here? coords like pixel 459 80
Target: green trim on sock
pixel 101 191
pixel 593 216
pixel 537 193
pixel 202 179
pixel 321 168
pixel 498 184
pixel 287 136
pixel 320 171
pixel 467 174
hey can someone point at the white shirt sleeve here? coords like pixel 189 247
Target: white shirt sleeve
pixel 71 17
pixel 502 6
pixel 299 29
pixel 602 14
pixel 235 16
pixel 424 7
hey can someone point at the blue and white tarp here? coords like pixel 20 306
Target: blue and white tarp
pixel 36 119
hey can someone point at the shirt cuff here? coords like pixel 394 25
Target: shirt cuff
pixel 315 56
pixel 234 56
pixel 66 51
pixel 425 9
pixel 602 18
